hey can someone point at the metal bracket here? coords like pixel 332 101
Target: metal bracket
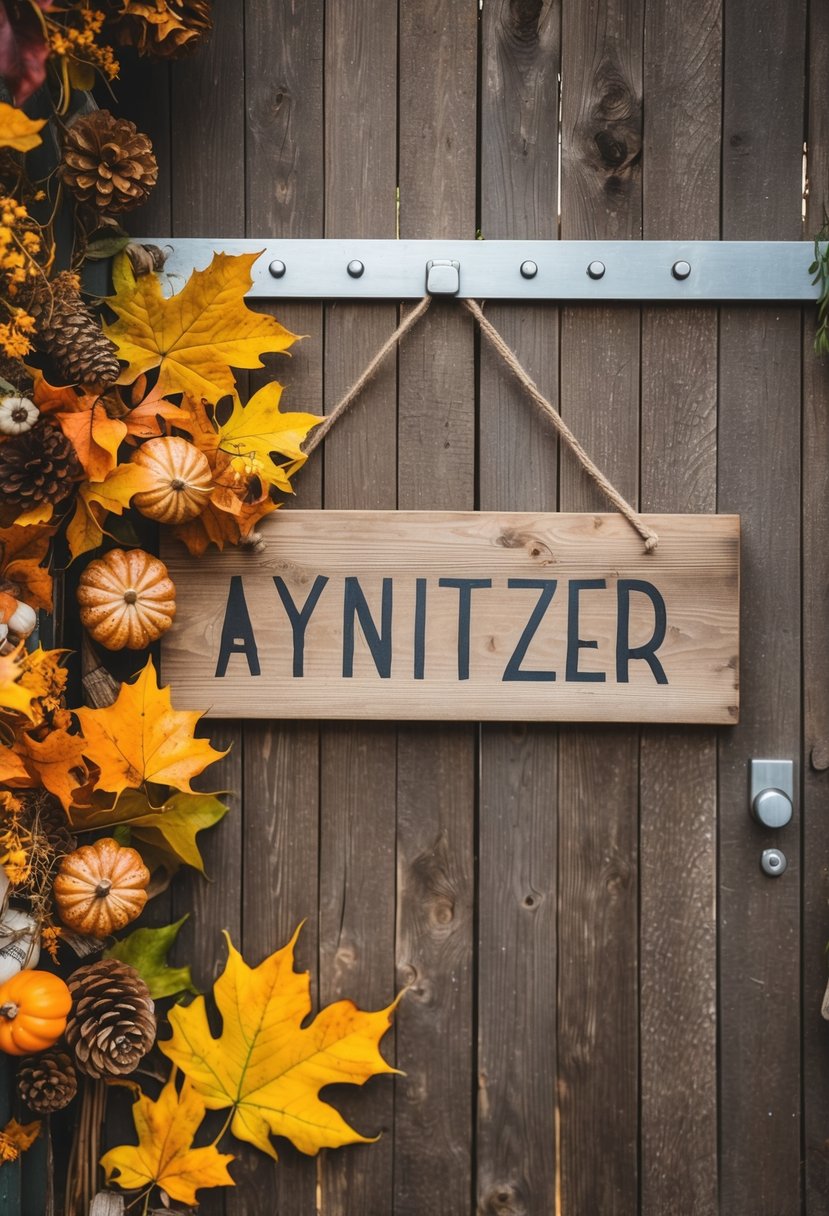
pixel 594 271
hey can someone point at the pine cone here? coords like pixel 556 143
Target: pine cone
pixel 111 1026
pixel 36 466
pixel 47 1082
pixel 108 162
pixel 53 825
pixel 165 29
pixel 15 374
pixel 69 333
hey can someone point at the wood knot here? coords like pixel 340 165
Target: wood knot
pixel 504 1199
pixel 613 151
pixel 524 16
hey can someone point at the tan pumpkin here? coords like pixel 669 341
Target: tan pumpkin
pixel 182 480
pixel 127 599
pixel 101 887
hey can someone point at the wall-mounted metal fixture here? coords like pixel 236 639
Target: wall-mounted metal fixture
pixel 594 271
pixel 773 862
pixel 771 792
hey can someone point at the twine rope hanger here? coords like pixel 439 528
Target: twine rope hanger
pixel 510 360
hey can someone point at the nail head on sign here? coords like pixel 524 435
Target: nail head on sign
pixel 529 269
pixel 681 270
pixel 596 270
pixel 277 269
pixel 355 268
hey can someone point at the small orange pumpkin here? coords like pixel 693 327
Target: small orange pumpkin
pixel 33 1010
pixel 182 480
pixel 101 887
pixel 127 599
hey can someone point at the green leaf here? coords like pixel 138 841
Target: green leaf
pixel 106 247
pixel 146 950
pixel 170 829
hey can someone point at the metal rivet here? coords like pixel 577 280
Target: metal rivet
pixel 355 269
pixel 277 269
pixel 529 270
pixel 681 270
pixel 596 270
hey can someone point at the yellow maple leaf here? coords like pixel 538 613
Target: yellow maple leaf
pixel 17 130
pixel 58 762
pixel 195 337
pixel 16 1137
pixel 266 1064
pixel 96 498
pixel 14 696
pixel 254 431
pixel 164 1155
pixel 141 739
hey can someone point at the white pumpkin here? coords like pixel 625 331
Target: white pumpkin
pixel 17 414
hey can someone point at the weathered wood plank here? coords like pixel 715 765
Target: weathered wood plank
pixel 759 474
pixel 436 776
pixel 284 197
pixel 678 770
pixel 359 762
pixel 517 469
pixel 816 654
pixel 598 774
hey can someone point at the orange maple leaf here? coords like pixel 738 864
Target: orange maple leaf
pixel 141 739
pixel 57 761
pixel 23 550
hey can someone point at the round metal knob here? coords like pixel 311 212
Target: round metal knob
pixel 772 808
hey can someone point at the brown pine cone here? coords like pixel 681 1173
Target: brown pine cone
pixel 15 374
pixel 36 466
pixel 111 1025
pixel 70 334
pixel 108 162
pixel 165 29
pixel 47 1082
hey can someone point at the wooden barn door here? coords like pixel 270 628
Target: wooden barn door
pixel 610 1010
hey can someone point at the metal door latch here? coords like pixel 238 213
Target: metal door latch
pixel 772 792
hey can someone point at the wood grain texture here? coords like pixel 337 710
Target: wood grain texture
pixel 358 764
pixel 760 446
pixel 517 469
pixel 678 770
pixel 438 49
pixel 598 771
pixel 472 645
pixel 816 655
pixel 284 196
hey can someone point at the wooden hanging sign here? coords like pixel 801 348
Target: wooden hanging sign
pixel 462 615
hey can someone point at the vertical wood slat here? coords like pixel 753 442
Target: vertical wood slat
pixel 436 779
pixel 759 477
pixel 214 159
pixel 284 197
pixel 598 771
pixel 515 1133
pixel 678 769
pixel 816 656
pixel 359 761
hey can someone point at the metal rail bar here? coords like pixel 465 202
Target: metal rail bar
pixel 354 269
